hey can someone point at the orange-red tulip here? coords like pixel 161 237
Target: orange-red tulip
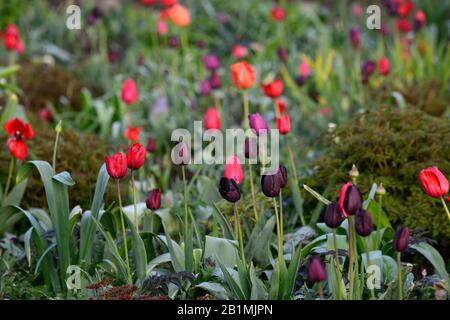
pixel 243 75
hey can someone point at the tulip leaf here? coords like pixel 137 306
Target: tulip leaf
pixel 434 257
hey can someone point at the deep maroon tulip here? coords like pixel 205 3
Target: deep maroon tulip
pixel 151 145
pixel 116 165
pixel 153 200
pixel 205 88
pixel 214 80
pixel 316 270
pixel 251 148
pixel 350 199
pixel 200 44
pixel 363 223
pixel 300 80
pixel 333 215
pixel 283 54
pixel 229 190
pixel 270 185
pixel 282 176
pixel 355 36
pixel 211 62
pixel 401 239
pixel 367 69
pixel 135 156
pixel 258 123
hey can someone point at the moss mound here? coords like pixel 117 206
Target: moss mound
pixel 391 146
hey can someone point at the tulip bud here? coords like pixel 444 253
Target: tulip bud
pixel 355 36
pixel 174 42
pixel 129 92
pixel 258 124
pixel 229 190
pixel 151 145
pixel 401 239
pixel 282 176
pixel 283 124
pixel 239 51
pixel 384 66
pixel 367 69
pixel 211 62
pixel 270 184
pixel 333 215
pixel 204 88
pixel 251 148
pixel 316 270
pixel 433 182
pixel 283 54
pixel 211 119
pixel 278 13
pixel 214 80
pixel 363 223
pixel 419 20
pixel 381 191
pixel 116 165
pixel 350 199
pixel 181 154
pixel 353 173
pixel 135 156
pixel 273 89
pixel 233 169
pixel 153 200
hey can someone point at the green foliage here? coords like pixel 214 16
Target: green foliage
pixel 391 147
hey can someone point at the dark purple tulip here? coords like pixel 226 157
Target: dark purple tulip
pixel 392 7
pixel 174 42
pixel 282 176
pixel 214 80
pixel 333 215
pixel 258 124
pixel 401 239
pixel 350 199
pixel 229 190
pixel 200 44
pixel 153 201
pixel 96 12
pixel 384 29
pixel 316 270
pixel 283 54
pixel 363 223
pixel 355 36
pixel 205 88
pixel 300 80
pixel 367 69
pixel 270 185
pixel 151 145
pixel 211 62
pixel 91 20
pixel 251 148
pixel 112 56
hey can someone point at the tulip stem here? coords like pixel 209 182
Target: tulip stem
pixel 366 244
pixel 320 289
pixel 55 148
pixel 237 223
pixel 399 276
pixel 246 108
pixel 280 240
pixel 252 188
pixel 134 201
pixel 445 207
pixel 10 175
pixel 350 257
pixel 294 174
pixel 378 234
pixel 124 234
pixel 186 215
pixel 337 265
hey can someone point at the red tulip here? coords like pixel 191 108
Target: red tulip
pixel 239 51
pixel 153 201
pixel 45 114
pixel 281 107
pixel 405 8
pixel 168 3
pixel 129 92
pixel 135 156
pixel 179 15
pixel 433 182
pixel 212 119
pixel 419 20
pixel 116 165
pixel 11 37
pixel 133 134
pixel 278 13
pixel 148 2
pixel 384 66
pixel 243 75
pixel 20 47
pixel 233 169
pixel 18 132
pixel 273 89
pixel 403 25
pixel 283 124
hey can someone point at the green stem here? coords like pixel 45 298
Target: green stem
pixel 55 148
pixel 350 258
pixel 136 223
pixel 239 234
pixel 366 244
pixel 252 188
pixel 378 234
pixel 337 265
pixel 445 207
pixel 124 234
pixel 10 175
pixel 280 240
pixel 246 108
pixel 399 277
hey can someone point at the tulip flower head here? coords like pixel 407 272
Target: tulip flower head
pixel 273 89
pixel 129 92
pixel 151 145
pixel 333 215
pixel 355 37
pixel 419 20
pixel 258 124
pixel 401 239
pixel 11 37
pixel 367 69
pixel 304 69
pixel 434 182
pixel 168 3
pixel 135 156
pixel 282 176
pixel 250 148
pixel 357 10
pixel 133 134
pixel 283 54
pixel 363 223
pixel 281 107
pixel 18 131
pixel 211 119
pixel 384 66
pixel 162 27
pixel 204 88
pixel 45 114
pixel 403 25
pixel 233 169
pixel 283 124
pixel 405 8
pixel 211 62
pixel 271 184
pixel 116 165
pixel 350 199
pixel 243 75
pixel 316 270
pixel 214 80
pixel 229 190
pixel 278 13
pixel 179 15
pixel 239 51
pixel 153 201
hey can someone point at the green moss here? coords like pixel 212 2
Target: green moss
pixel 391 146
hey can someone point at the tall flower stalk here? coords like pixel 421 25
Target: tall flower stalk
pixel 124 233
